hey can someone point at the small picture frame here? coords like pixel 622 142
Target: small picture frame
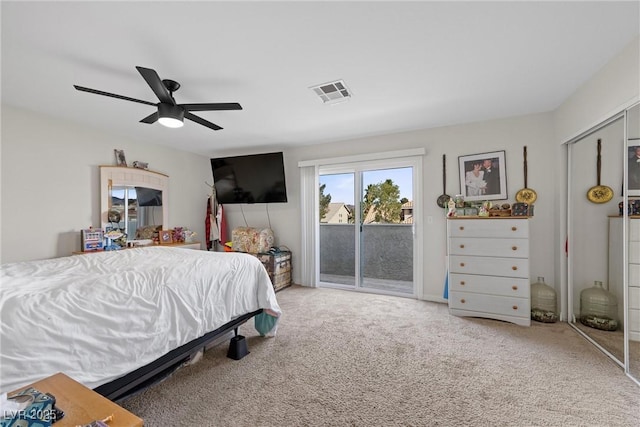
pixel 165 237
pixel 483 176
pixel 633 156
pixel 120 158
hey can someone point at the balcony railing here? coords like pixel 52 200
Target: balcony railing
pixel 386 252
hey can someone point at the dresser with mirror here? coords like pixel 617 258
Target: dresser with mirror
pixel 133 200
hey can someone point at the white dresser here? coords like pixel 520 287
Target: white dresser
pixel 489 268
pixel 616 267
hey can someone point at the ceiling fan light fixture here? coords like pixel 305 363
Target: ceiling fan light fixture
pixel 171 116
pixel 168 113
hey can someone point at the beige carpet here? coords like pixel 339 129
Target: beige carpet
pixel 353 359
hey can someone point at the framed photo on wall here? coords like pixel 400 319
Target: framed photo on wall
pixel 483 176
pixel 634 170
pixel 165 237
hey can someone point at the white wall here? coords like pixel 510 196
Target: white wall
pixel 613 88
pixel 50 183
pixel 511 134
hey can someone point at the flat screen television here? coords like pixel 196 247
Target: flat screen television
pixel 255 178
pixel 149 196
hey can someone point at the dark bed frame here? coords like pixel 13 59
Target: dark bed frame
pixel 155 371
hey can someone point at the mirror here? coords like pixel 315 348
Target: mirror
pixel 134 201
pixel 596 294
pixel 633 246
pixel 135 209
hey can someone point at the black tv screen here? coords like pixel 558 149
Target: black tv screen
pixel 255 178
pixel 149 196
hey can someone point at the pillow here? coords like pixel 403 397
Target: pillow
pixel 252 240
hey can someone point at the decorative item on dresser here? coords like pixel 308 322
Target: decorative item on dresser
pixel 489 268
pixel 121 160
pixel 165 237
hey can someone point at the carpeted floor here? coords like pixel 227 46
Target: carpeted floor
pixel 354 359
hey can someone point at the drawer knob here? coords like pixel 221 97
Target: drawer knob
pixel 461 228
pixel 514 248
pixel 514 268
pixel 515 307
pixel 462 246
pixel 462 282
pixel 463 300
pixel 514 287
pixel 462 264
pixel 514 228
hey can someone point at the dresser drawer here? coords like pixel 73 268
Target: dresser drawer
pixel 634 252
pixel 500 228
pixel 505 267
pixel 505 286
pixel 516 248
pixel 634 274
pixel 490 304
pixel 634 230
pixel 634 324
pixel 634 299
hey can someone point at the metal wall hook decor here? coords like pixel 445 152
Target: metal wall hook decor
pixel 599 193
pixel 526 195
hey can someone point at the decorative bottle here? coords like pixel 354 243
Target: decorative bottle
pixel 598 308
pixel 543 302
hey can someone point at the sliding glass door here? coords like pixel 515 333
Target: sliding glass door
pixel 386 237
pixel 337 228
pixel 367 226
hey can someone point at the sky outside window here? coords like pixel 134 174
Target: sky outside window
pixel 340 186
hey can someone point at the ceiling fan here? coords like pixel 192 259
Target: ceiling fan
pixel 169 113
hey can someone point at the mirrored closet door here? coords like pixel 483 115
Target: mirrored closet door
pixel 633 241
pixel 603 243
pixel 596 303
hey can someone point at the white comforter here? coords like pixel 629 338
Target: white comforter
pixel 97 317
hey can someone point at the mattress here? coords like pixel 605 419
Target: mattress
pixel 97 317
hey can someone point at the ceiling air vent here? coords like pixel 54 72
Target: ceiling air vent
pixel 332 92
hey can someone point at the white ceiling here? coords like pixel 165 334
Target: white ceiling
pixel 410 65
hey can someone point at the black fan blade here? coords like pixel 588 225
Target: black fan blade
pixel 151 118
pixel 112 95
pixel 219 106
pixel 201 121
pixel 153 80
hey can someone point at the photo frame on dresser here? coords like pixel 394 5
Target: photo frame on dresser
pixel 633 156
pixel 121 160
pixel 483 176
pixel 165 237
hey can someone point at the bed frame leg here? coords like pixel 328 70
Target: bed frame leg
pixel 237 347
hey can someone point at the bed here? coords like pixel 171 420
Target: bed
pixel 114 321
